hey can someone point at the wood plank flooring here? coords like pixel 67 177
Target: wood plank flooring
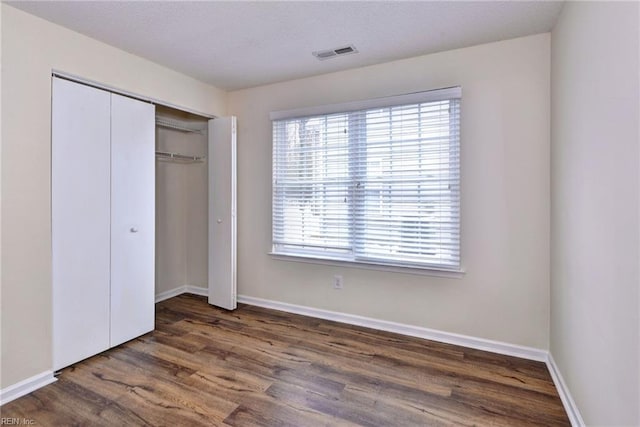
pixel 260 367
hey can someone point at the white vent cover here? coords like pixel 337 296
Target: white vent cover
pixel 330 53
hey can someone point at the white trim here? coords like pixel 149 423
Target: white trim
pixel 569 405
pixel 26 386
pixel 113 89
pixel 185 289
pixel 403 329
pixel 170 293
pixel 388 101
pixel 197 290
pixel 406 269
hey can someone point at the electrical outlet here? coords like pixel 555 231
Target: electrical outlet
pixel 337 281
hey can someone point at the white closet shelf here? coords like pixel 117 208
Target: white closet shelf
pixel 179 125
pixel 166 155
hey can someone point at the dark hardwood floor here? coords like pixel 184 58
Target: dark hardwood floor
pixel 253 366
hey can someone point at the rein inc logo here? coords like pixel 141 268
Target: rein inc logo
pixel 4 421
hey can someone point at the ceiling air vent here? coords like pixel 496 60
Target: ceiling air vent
pixel 330 53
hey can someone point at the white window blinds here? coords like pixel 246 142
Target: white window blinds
pixel 375 181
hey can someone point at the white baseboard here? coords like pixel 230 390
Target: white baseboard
pixel 170 293
pixel 26 386
pixel 197 290
pixel 403 329
pixel 569 405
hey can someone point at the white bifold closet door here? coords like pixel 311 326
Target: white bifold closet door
pixel 103 204
pixel 222 212
pixel 132 218
pixel 80 219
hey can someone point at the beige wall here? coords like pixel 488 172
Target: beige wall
pixel 31 48
pixel 505 196
pixel 595 323
pixel 197 223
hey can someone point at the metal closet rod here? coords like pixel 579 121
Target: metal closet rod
pixel 177 156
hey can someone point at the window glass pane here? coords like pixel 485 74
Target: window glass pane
pixel 407 201
pixel 311 189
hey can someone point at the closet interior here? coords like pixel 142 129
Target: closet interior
pixel 181 200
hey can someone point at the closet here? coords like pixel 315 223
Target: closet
pixel 143 203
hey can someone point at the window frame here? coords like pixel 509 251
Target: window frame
pixel 357 259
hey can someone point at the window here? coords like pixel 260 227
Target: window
pixel 374 182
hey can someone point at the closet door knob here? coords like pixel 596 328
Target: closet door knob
pixel 133 230
pixel 218 220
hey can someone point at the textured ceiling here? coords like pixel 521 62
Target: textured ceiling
pixel 234 45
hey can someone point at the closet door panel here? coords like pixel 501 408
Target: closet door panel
pixel 132 218
pixel 222 212
pixel 80 221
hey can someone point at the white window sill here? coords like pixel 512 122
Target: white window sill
pixel 422 271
